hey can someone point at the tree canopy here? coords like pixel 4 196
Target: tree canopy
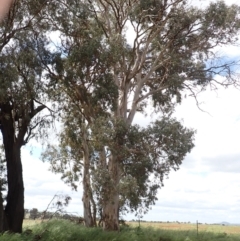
pixel 99 63
pixel 117 58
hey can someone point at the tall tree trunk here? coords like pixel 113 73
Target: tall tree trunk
pixel 90 220
pixel 1 212
pixel 14 210
pixel 94 210
pixel 111 197
pixel 87 210
pixel 111 212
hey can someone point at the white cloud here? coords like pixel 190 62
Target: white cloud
pixel 189 196
pixel 205 3
pixel 206 186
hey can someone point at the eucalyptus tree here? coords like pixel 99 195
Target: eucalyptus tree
pixel 22 96
pixel 144 53
pixel 80 81
pixel 72 159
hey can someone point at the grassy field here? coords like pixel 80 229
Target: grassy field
pixel 190 227
pixel 27 223
pixel 62 230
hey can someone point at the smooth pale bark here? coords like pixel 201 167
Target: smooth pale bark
pixel 89 217
pixel 111 212
pixel 111 200
pixel 4 7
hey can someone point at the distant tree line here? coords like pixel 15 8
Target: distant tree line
pixel 34 213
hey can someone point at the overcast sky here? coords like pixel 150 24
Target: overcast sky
pixel 207 186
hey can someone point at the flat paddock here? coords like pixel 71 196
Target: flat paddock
pixel 189 227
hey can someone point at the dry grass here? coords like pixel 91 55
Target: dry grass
pixel 189 227
pixel 169 226
pixel 63 230
pixel 30 222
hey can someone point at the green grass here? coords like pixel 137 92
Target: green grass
pixel 61 230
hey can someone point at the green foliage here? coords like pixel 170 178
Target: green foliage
pixel 147 155
pixel 23 55
pixel 101 80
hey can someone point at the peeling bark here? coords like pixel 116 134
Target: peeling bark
pixel 111 197
pixel 110 213
pixel 89 218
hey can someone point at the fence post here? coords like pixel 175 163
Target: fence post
pixel 197 228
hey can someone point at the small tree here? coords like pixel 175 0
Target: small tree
pixel 34 213
pixel 56 205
